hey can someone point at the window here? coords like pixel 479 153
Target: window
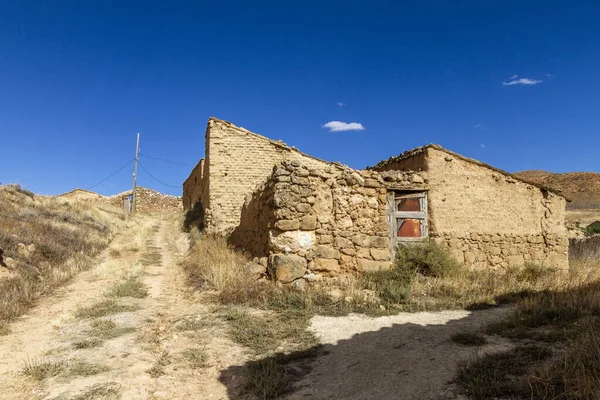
pixel 408 219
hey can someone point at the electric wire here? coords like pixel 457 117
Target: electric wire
pixel 167 161
pixel 111 175
pixel 156 179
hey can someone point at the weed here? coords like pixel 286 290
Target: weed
pixel 271 377
pixel 501 374
pixel 151 258
pixel 195 357
pixel 426 258
pixel 191 325
pixel 130 287
pixel 87 343
pixel 532 272
pixel 84 368
pixel 265 332
pixel 4 328
pixel 40 369
pixel 158 369
pixel 469 338
pixel 107 329
pixel 114 253
pixel 105 391
pixel 103 308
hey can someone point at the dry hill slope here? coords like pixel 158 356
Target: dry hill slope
pixel 581 187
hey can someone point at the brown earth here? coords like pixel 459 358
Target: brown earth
pixel 583 188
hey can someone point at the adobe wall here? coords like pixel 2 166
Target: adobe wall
pixel 491 219
pixel 237 161
pixel 193 186
pixel 330 221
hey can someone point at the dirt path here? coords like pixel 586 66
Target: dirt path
pixel 172 345
pixel 168 347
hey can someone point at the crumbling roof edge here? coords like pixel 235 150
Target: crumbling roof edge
pixel 418 150
pixel 278 143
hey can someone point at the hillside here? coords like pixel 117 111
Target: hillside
pixel 583 188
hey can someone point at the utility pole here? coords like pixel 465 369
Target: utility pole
pixel 135 165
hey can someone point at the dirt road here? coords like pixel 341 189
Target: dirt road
pixel 167 346
pixel 85 343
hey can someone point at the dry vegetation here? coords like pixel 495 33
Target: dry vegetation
pixel 554 326
pixel 44 243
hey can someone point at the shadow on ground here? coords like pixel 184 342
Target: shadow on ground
pixel 408 356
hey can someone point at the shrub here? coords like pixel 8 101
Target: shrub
pixel 426 258
pixel 533 272
pixel 592 229
pixel 194 218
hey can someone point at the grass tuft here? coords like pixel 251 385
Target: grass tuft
pixel 196 357
pixel 130 287
pixel 103 308
pixel 84 368
pixel 104 391
pixel 87 343
pixel 40 369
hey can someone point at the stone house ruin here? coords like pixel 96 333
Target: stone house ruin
pixel 305 217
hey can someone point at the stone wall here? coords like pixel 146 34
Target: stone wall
pixel 330 221
pixel 487 217
pixel 193 186
pixel 236 162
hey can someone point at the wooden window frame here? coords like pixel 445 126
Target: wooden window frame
pixel 394 215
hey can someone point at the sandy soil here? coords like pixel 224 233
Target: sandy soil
pixel 407 356
pixel 48 332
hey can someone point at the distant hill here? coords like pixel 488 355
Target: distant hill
pixel 583 188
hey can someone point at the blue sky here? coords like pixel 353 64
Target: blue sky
pixel 514 84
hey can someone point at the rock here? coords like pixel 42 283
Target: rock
pixel 287 224
pixel 303 207
pixel 311 277
pixel 325 239
pixel 342 243
pixel 369 265
pixel 381 254
pixel 359 179
pixel 309 223
pixel 379 242
pixel 281 171
pixel 327 265
pixel 287 268
pixel 256 269
pixel 327 252
pixel 299 284
pixel 417 179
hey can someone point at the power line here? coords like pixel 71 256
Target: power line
pixel 111 175
pixel 167 161
pixel 156 179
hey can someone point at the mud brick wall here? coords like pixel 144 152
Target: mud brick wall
pixel 238 161
pixel 331 221
pixel 487 217
pixel 193 186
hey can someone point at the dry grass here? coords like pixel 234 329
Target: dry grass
pixel 103 308
pixel 105 391
pixel 129 287
pixel 564 321
pixel 40 369
pixel 195 357
pixel 84 368
pixel 161 362
pixel 551 306
pixel 61 237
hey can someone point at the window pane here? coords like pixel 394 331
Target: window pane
pixel 409 228
pixel 408 204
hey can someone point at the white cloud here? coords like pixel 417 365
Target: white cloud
pixel 341 104
pixel 482 146
pixel 339 126
pixel 478 126
pixel 515 80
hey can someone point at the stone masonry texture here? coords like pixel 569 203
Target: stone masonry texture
pixel 312 218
